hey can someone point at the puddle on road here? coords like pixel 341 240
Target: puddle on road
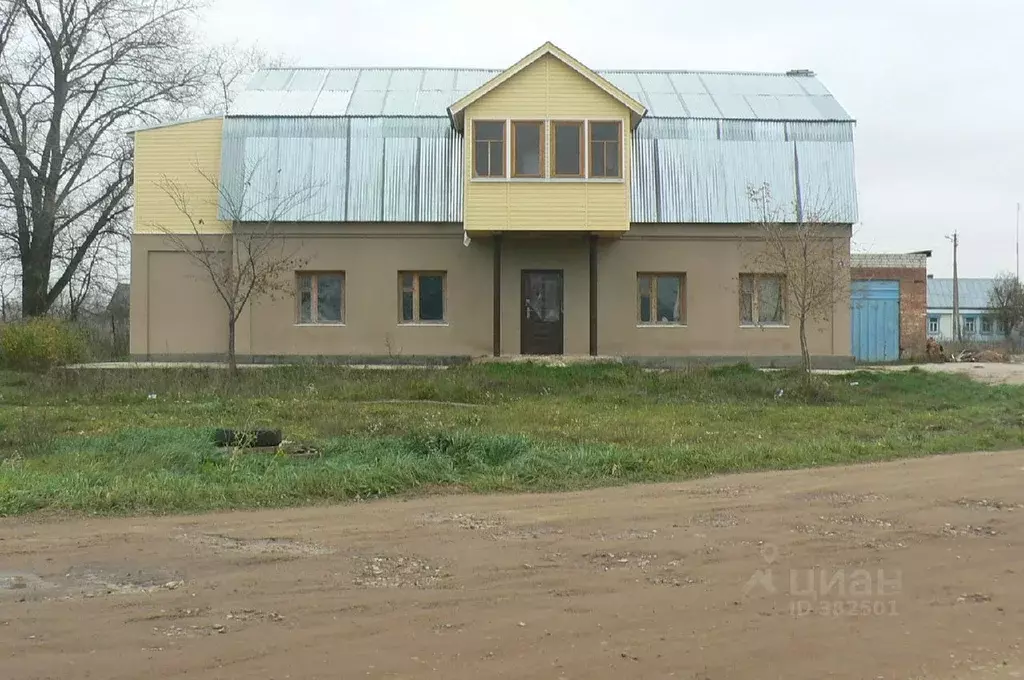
pixel 256 546
pixel 22 583
pixel 86 581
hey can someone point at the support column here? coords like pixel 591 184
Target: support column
pixel 497 295
pixel 593 295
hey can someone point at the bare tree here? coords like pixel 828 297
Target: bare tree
pixel 801 245
pixel 247 257
pixel 75 75
pixel 92 283
pixel 1006 300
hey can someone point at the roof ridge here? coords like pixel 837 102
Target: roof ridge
pixel 488 70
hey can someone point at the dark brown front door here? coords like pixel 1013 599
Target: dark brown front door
pixel 542 312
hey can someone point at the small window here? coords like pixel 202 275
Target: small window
pixel 933 324
pixel 567 146
pixel 605 149
pixel 322 298
pixel 421 297
pixel 662 298
pixel 527 149
pixel 970 324
pixel 762 300
pixel 986 325
pixel 488 148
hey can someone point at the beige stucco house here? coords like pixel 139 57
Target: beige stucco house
pixel 543 209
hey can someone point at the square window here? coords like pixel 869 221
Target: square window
pixel 762 300
pixel 321 298
pixel 605 149
pixel 421 297
pixel 488 148
pixel 527 149
pixel 662 298
pixel 567 146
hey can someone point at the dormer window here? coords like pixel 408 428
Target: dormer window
pixel 605 149
pixel 551 149
pixel 489 148
pixel 567 147
pixel 527 149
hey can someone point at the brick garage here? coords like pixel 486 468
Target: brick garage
pixel 910 269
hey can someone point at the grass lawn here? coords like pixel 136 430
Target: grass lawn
pixel 138 441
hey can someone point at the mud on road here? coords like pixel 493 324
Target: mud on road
pixel 904 570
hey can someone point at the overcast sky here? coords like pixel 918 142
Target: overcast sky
pixel 935 85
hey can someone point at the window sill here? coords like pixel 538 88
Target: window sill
pixel 764 325
pixel 423 324
pixel 320 325
pixel 661 325
pixel 550 180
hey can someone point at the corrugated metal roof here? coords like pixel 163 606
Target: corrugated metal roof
pixel 341 169
pixel 429 91
pixel 973 293
pixel 700 171
pixel 410 169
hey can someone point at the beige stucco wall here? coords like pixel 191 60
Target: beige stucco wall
pixel 712 257
pixel 547 90
pixel 174 306
pixel 370 255
pixel 174 312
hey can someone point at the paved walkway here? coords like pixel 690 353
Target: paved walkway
pixel 991 373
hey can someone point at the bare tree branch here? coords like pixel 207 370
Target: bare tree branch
pixel 809 254
pixel 75 76
pixel 1006 300
pixel 250 260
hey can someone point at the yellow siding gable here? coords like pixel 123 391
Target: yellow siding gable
pixel 547 89
pixel 183 154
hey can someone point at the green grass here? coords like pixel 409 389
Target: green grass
pixel 99 442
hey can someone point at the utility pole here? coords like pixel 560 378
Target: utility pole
pixel 1018 242
pixel 957 334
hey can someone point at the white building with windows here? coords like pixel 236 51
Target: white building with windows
pixel 976 317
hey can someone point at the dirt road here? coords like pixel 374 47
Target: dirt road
pixel 990 373
pixel 904 570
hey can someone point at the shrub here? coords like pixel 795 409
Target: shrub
pixel 41 343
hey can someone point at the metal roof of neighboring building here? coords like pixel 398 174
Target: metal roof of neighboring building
pixel 915 260
pixel 793 96
pixel 120 300
pixel 973 293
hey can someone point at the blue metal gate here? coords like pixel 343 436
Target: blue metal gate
pixel 875 320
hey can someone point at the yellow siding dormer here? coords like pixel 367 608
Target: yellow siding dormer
pixel 549 89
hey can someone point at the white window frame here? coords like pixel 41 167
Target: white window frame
pixel 506 155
